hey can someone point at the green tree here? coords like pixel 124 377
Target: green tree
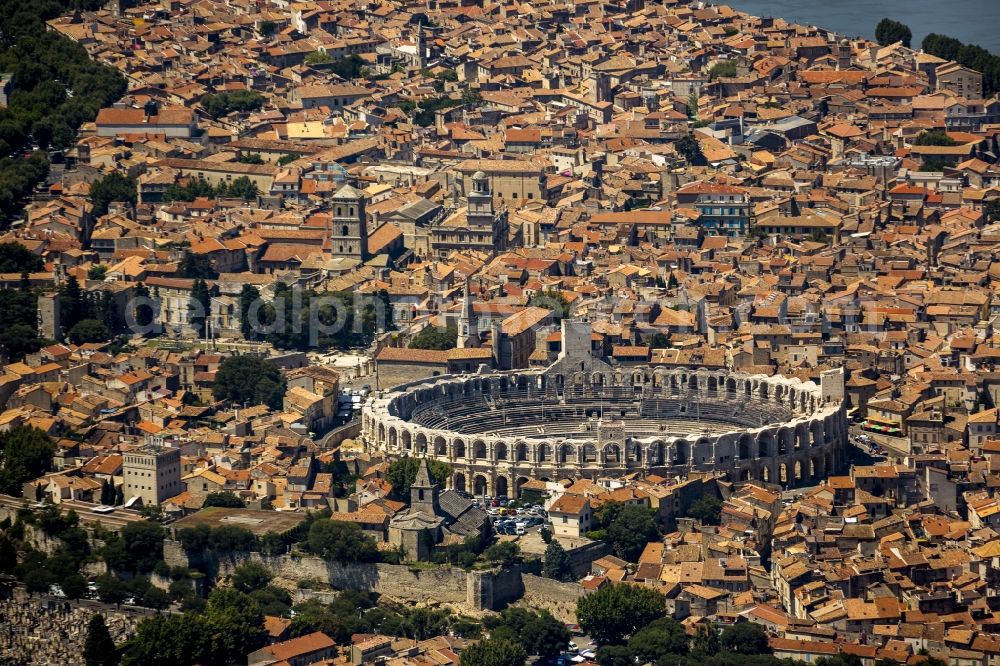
pixel 200 307
pixel 616 612
pixel 433 337
pixel 707 509
pixel 403 472
pixel 194 266
pixel 660 340
pixel 705 642
pixel 226 498
pixel 172 639
pixel 934 138
pixel 273 600
pixel 318 58
pixel 249 380
pixel 26 454
pixel 471 97
pixel 340 541
pixel 250 158
pixel 493 652
pixel 243 188
pixel 19 339
pixel 89 330
pixel 538 632
pixel 556 562
pixel 73 302
pixel 240 101
pixel 662 637
pixel 73 585
pixel 107 493
pixel 154 597
pixel 689 148
pixel 99 647
pixel 110 589
pixel 631 530
pixel 504 553
pixel 551 300
pixel 992 210
pixel 692 105
pixel 97 272
pixel 251 576
pixel 615 655
pixel 722 69
pixel 190 190
pixel 248 296
pixel 37 579
pixel 889 32
pixel 312 616
pixel 745 638
pixel 237 623
pixel 16 258
pixel 935 165
pixel 110 188
pixel 8 554
pixel 143 313
pixel 232 539
pixel 143 544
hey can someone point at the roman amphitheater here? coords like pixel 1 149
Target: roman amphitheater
pixel 582 418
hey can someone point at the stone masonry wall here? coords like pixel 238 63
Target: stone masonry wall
pixel 476 590
pixel 555 597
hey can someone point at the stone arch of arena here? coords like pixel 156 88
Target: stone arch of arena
pixel 498 430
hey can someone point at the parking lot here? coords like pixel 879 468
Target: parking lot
pixel 581 648
pixel 511 518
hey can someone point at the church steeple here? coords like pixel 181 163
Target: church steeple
pixel 349 230
pixel 468 323
pixel 424 492
pixel 420 46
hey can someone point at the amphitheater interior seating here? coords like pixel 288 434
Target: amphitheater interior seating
pixel 528 412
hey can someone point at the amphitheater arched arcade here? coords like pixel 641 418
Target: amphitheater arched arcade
pixel 499 430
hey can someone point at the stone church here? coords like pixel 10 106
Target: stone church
pixel 434 518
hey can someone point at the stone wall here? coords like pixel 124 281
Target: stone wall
pixel 770 429
pixel 475 590
pixel 581 557
pixel 336 436
pixel 395 373
pixel 551 595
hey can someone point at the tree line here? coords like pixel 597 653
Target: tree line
pixel 221 104
pixel 967 55
pixel 972 56
pixel 298 318
pixel 41 113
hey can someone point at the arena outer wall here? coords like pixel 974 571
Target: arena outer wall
pixel 801 449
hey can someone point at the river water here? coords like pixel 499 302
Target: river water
pixel 971 21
